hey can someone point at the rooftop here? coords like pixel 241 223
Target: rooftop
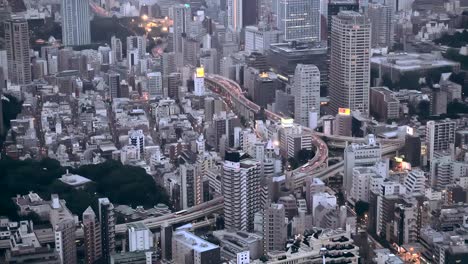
pixel 192 241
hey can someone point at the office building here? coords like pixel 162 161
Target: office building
pixel 75 22
pixel 342 124
pixel 189 248
pixel 107 223
pixel 440 135
pixel 445 171
pixel 350 66
pixel 264 90
pixel 366 154
pixel 116 46
pixel 259 39
pixel 140 237
pixel 299 19
pixel 274 228
pixel 240 182
pixel 17 49
pixel 92 236
pixel 306 92
pixel 181 16
pixel 381 18
pixel 155 85
pixel 283 58
pixel 383 104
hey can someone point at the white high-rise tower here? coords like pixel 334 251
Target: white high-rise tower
pixel 75 22
pixel 306 91
pixel 299 19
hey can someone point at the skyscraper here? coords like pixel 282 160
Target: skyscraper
pixel 107 223
pixel 92 236
pixel 381 17
pixel 350 62
pixel 114 85
pixel 137 43
pixel 75 22
pixel 306 91
pixel 181 17
pixel 17 47
pixel 299 19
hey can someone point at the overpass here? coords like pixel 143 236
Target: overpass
pixel 191 214
pixel 235 99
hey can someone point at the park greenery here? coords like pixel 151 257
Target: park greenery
pixel 122 184
pixel 457 40
pixel 11 107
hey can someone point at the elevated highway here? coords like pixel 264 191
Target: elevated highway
pixel 191 214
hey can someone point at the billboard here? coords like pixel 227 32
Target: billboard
pixel 200 72
pixel 344 111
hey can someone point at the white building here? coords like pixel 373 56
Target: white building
pixel 361 183
pixel 381 17
pixel 181 16
pixel 439 136
pixel 355 155
pixel 415 182
pixel 137 138
pixel 235 15
pixel 306 92
pixel 258 39
pixel 199 81
pixel 140 237
pixel 75 22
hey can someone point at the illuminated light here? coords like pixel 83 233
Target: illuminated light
pixel 164 29
pixel 344 111
pixel 409 130
pixel 263 75
pixel 187 5
pixel 148 29
pixel 398 159
pixel 144 17
pixel 200 72
pixel 287 121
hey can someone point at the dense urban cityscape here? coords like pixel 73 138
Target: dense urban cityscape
pixel 233 131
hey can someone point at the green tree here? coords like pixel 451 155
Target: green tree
pixel 409 80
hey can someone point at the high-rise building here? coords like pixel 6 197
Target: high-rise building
pixel 356 155
pixel 92 236
pixel 439 136
pixel 138 43
pixel 17 47
pixel 199 81
pixel 381 18
pixel 107 223
pixel 299 19
pixel 114 85
pixel 350 62
pixel 274 228
pixel 241 13
pixel 181 16
pixel 241 185
pixel 306 92
pixel 75 22
pixel 336 6
pixel 116 45
pixel 155 86
pixel 2 125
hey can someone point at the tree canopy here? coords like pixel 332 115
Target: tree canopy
pixel 120 183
